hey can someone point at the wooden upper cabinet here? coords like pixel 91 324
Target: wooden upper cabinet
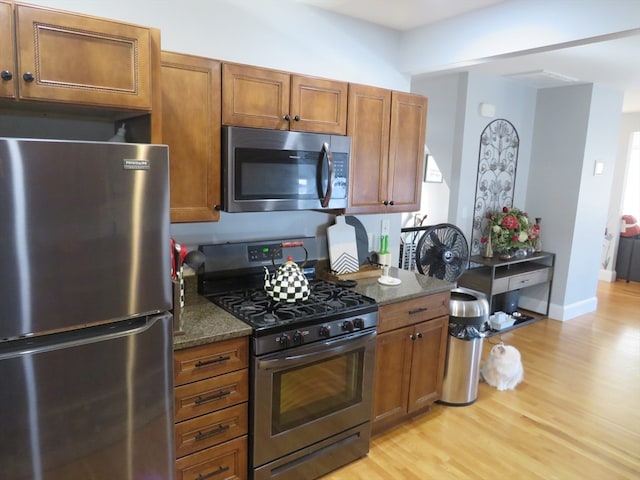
pixel 368 127
pixel 254 97
pixel 263 98
pixel 318 105
pixel 387 130
pixel 406 151
pixel 191 128
pixel 7 62
pixel 82 60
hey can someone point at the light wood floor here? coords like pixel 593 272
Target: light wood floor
pixel 575 416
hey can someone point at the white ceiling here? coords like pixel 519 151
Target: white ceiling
pixel 612 62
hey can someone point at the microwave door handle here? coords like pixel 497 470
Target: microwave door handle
pixel 327 197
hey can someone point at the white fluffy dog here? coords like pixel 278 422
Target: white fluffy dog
pixel 503 369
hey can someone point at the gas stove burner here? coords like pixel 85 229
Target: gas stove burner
pixel 262 312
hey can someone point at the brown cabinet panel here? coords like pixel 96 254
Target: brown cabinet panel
pixel 198 363
pixel 191 128
pixel 406 151
pixel 227 461
pixel 410 358
pixel 368 125
pixel 255 97
pixel 392 376
pixel 211 429
pixel 82 60
pixel 210 394
pixel 410 312
pixel 387 156
pixel 263 98
pixel 7 61
pixel 318 105
pixel 427 367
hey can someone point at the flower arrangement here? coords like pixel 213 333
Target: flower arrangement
pixel 510 229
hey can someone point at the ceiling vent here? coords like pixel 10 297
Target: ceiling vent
pixel 543 78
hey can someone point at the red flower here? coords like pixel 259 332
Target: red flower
pixel 510 222
pixel 483 240
pixel 505 209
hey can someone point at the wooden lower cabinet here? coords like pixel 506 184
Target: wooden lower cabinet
pixel 227 461
pixel 410 358
pixel 211 410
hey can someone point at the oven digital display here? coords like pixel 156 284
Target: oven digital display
pixel 309 392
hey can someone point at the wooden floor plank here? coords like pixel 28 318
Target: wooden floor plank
pixel 576 415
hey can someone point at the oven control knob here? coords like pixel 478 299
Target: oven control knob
pixel 325 331
pixel 358 323
pixel 347 326
pixel 285 340
pixel 298 338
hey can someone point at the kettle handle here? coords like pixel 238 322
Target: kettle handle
pixel 290 245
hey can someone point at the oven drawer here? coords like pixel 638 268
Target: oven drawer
pixel 225 461
pixel 211 429
pixel 205 396
pixel 197 363
pixel 410 312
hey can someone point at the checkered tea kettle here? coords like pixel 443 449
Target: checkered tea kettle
pixel 288 283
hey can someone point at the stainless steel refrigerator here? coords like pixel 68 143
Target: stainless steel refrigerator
pixel 86 383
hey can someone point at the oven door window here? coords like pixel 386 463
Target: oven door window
pixel 315 390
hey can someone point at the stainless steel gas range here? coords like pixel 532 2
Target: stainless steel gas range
pixel 312 362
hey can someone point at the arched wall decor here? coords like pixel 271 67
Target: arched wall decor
pixel 497 162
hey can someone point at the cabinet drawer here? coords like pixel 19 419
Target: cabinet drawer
pixel 197 363
pixel 530 278
pixel 409 312
pixel 211 429
pixel 227 461
pixel 205 396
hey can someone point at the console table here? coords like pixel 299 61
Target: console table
pixel 493 276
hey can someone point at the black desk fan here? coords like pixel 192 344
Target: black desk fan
pixel 442 252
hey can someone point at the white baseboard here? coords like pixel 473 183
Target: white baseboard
pixel 567 312
pixel 607 275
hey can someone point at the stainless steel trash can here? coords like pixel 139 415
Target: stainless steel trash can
pixel 469 311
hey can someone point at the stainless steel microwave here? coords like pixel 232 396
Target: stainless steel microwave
pixel 269 170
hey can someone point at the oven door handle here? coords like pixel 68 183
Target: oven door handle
pixel 332 348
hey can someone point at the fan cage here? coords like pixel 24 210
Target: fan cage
pixel 450 249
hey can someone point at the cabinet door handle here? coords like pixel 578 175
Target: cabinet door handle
pixel 419 335
pixel 287 117
pixel 212 474
pixel 215 360
pixel 28 77
pixel 418 310
pixel 219 429
pixel 6 75
pixel 297 118
pixel 391 202
pixel 215 396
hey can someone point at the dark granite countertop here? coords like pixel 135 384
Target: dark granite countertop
pixel 413 285
pixel 203 322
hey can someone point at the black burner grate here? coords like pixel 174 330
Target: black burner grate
pixel 260 311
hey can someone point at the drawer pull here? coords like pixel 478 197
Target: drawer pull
pixel 219 429
pixel 418 310
pixel 212 474
pixel 215 396
pixel 215 360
